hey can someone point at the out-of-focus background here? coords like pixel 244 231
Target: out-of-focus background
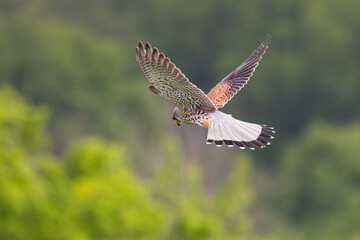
pixel 87 152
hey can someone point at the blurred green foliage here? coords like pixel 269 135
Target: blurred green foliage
pixel 92 193
pixel 84 78
pixel 75 61
pixel 320 190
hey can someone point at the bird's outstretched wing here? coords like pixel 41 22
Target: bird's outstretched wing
pixel 237 79
pixel 167 80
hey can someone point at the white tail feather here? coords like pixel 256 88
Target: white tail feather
pixel 224 128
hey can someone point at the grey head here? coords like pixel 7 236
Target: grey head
pixel 176 116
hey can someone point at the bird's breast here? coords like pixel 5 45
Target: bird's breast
pixel 203 120
pixel 200 119
pixel 206 123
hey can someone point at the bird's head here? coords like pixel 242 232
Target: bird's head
pixel 176 116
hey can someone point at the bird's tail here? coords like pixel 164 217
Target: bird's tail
pixel 224 128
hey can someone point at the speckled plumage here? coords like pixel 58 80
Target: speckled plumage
pixel 168 81
pixel 196 116
pixel 194 107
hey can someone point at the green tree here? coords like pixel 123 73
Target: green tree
pixel 193 212
pixel 86 79
pixel 320 182
pixel 92 193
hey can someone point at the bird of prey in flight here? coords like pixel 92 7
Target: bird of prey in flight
pixel 193 106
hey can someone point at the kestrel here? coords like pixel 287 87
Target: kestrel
pixel 194 107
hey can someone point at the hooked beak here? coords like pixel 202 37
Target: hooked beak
pixel 176 121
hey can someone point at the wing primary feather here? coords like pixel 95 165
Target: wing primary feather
pixel 141 48
pixel 155 55
pixel 167 80
pixel 161 59
pixel 167 63
pixel 239 77
pixel 173 69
